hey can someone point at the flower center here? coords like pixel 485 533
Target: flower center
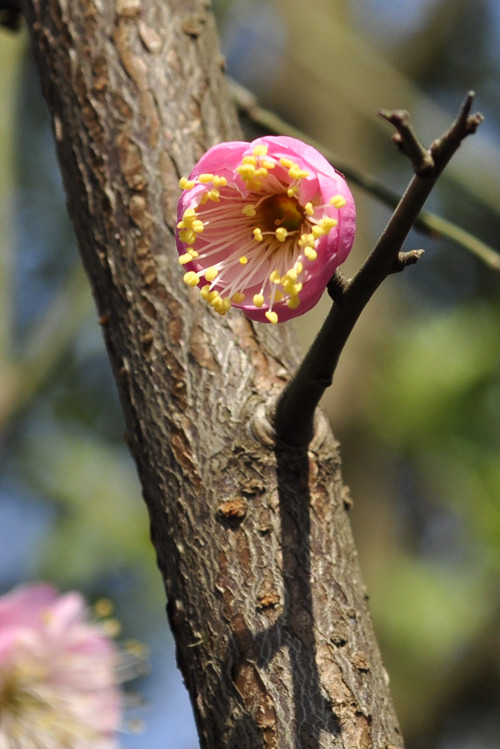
pixel 280 210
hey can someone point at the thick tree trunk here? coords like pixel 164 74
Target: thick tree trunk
pixel 253 542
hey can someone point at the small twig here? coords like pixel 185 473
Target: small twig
pixel 407 142
pixel 337 286
pixel 427 223
pixel 295 409
pixel 407 258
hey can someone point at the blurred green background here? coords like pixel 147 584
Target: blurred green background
pixel 415 403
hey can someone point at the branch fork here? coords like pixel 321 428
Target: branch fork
pixel 296 407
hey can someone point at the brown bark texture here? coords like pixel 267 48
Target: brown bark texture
pixel 253 542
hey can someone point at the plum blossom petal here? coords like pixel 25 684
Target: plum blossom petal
pixel 263 226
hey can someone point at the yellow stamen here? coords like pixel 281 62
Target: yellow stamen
pixel 338 201
pixel 310 253
pixel 281 234
pixel 243 260
pixel 258 300
pixel 198 226
pixel 272 317
pixel 238 297
pixel 222 305
pixel 191 278
pixel 211 274
pixel 257 234
pixel 212 297
pixel 260 150
pixel 203 178
pixel 185 258
pixel 275 277
pixel 246 171
pixel 186 184
pixel 308 209
pixel 328 223
pixel 290 275
pixel 293 302
pixel 249 210
pixel 306 240
pixel 188 236
pixel 296 172
pixel 220 181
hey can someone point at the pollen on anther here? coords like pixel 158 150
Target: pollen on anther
pixel 281 234
pixel 186 184
pixel 243 260
pixel 211 274
pixel 338 201
pixel 296 172
pixel 257 234
pixel 258 300
pixel 191 278
pixel 272 316
pixel 260 150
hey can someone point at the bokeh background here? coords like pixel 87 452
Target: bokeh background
pixel 415 403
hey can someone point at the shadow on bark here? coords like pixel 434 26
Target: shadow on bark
pixel 306 715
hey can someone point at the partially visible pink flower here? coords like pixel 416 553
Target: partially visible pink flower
pixel 263 226
pixel 57 673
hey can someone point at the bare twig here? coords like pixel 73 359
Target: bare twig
pixel 427 223
pixel 295 409
pixel 406 140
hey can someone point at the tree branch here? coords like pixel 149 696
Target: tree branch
pixel 426 222
pixel 296 407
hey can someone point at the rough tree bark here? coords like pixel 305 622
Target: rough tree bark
pixel 265 599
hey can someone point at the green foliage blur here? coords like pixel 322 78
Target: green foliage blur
pixel 416 400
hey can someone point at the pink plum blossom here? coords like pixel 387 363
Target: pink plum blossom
pixel 263 226
pixel 57 673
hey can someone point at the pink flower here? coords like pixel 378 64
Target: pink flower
pixel 263 226
pixel 57 681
